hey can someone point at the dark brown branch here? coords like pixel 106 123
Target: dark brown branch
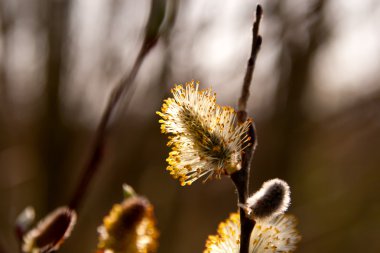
pixel 256 45
pixel 241 181
pixel 96 155
pixel 241 177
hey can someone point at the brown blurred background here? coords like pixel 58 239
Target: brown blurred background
pixel 315 99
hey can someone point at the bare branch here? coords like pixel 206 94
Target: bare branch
pixel 96 154
pixel 152 35
pixel 241 177
pixel 241 181
pixel 256 45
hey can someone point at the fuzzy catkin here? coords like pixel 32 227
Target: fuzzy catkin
pixel 272 199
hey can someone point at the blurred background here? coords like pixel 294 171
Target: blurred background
pixel 315 99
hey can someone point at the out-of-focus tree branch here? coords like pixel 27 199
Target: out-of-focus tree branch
pixel 53 137
pixel 294 67
pixel 5 110
pixel 152 35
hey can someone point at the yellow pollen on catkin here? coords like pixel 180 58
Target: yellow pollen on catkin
pixel 129 227
pixel 206 139
pixel 277 235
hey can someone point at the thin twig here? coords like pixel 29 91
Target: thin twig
pixel 96 154
pixel 120 89
pixel 241 177
pixel 256 45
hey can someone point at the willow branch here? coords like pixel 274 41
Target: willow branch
pixel 91 167
pixel 241 182
pixel 241 177
pixel 96 154
pixel 256 45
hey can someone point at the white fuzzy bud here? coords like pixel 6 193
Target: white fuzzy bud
pixel 271 200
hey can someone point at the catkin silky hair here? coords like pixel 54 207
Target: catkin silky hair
pixel 272 199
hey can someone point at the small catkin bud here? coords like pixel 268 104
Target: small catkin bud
pixel 129 227
pixel 271 200
pixel 51 232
